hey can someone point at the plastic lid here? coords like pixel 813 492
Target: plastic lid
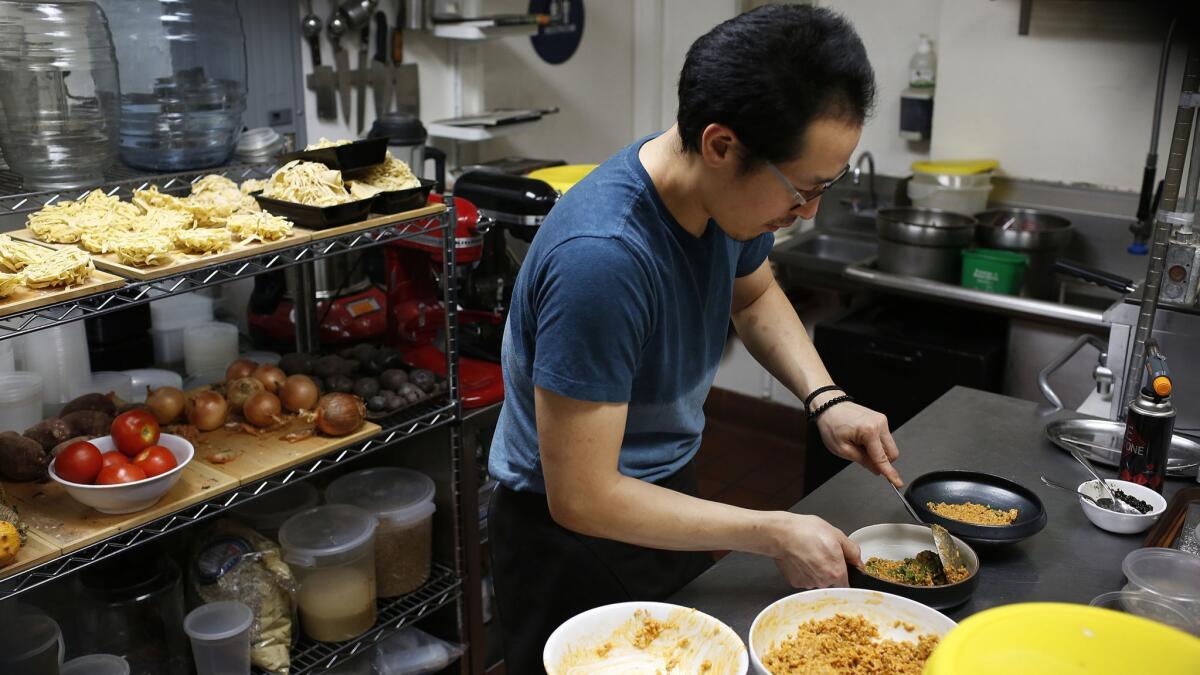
pixel 325 534
pixel 218 621
pixel 1164 571
pixel 31 634
pixel 563 178
pixel 1162 385
pixel 956 167
pixel 272 510
pixel 19 385
pixel 391 493
pixel 96 664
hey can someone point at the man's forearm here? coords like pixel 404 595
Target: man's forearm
pixel 775 337
pixel 641 513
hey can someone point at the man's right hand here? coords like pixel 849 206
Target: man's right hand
pixel 810 552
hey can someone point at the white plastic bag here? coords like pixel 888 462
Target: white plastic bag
pixel 412 651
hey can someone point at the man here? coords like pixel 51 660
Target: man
pixel 619 319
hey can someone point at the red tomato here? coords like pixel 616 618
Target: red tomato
pixel 121 473
pixel 155 460
pixel 135 431
pixel 78 463
pixel 113 458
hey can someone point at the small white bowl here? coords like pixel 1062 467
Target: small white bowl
pixel 591 629
pixel 780 618
pixel 1121 523
pixel 130 497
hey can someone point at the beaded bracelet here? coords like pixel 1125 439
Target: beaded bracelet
pixel 820 390
pixel 829 404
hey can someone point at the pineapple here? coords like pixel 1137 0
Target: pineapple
pixel 10 542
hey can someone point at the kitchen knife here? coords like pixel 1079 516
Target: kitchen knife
pixel 321 80
pixel 381 74
pixel 364 46
pixel 341 57
pixel 407 82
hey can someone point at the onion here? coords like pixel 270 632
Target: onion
pixel 271 377
pixel 340 414
pixel 166 403
pixel 241 390
pixel 206 410
pixel 239 369
pixel 298 393
pixel 262 410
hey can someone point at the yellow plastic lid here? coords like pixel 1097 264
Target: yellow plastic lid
pixel 956 167
pixel 563 178
pixel 1044 638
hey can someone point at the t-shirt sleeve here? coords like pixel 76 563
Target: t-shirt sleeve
pixel 594 311
pixel 754 252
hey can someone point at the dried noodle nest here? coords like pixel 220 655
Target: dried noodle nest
pixel 66 267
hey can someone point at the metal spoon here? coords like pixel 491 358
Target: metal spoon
pixel 1072 490
pixel 947 551
pixel 1117 505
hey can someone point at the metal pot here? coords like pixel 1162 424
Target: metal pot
pixel 925 243
pixel 1039 235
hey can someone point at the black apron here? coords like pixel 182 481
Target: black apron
pixel 545 574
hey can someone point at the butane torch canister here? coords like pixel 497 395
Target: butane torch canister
pixel 1148 428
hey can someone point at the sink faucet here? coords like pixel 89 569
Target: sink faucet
pixel 872 202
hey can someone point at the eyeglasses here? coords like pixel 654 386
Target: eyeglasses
pixel 802 197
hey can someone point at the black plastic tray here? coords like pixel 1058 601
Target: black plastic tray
pixel 399 201
pixel 317 217
pixel 355 155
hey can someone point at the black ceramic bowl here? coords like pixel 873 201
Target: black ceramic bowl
pixel 957 487
pixel 897 541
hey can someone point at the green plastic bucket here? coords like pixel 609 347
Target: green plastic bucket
pixel 994 271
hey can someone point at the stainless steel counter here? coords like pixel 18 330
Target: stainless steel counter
pixel 1069 561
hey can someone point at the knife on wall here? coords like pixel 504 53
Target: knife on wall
pixel 336 28
pixel 381 73
pixel 364 46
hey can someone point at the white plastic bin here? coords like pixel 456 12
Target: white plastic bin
pixel 141 378
pixel 220 634
pixel 20 401
pixel 209 347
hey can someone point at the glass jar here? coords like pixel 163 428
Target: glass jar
pixel 59 92
pixel 331 550
pixel 183 76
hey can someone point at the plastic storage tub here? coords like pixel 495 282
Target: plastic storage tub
pixel 402 500
pixel 994 271
pixel 331 550
pixel 1165 573
pixel 209 347
pixel 96 664
pixel 60 355
pixel 169 320
pixel 220 634
pixel 20 401
pixel 154 378
pixel 266 514
pixel 957 186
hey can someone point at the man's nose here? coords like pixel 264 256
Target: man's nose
pixel 809 210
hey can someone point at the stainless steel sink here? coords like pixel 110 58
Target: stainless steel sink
pixel 824 251
pixel 833 247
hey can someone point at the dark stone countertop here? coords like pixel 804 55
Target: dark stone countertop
pixel 1071 560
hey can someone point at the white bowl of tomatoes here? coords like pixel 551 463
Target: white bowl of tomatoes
pixel 126 471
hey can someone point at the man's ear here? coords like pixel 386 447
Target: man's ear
pixel 719 147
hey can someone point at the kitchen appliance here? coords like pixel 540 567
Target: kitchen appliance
pixel 183 81
pixel 1040 236
pixel 899 357
pixel 58 92
pixel 406 141
pixel 350 305
pixel 925 243
pixel 414 282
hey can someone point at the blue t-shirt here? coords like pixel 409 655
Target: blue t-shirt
pixel 616 302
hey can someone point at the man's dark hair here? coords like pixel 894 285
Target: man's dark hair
pixel 768 73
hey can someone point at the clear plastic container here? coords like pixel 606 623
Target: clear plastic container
pixel 220 634
pixel 60 355
pixel 8 359
pixel 183 81
pixel 32 644
pixel 266 514
pixel 402 500
pixel 106 381
pixel 1155 608
pixel 153 378
pixel 58 91
pixel 1166 573
pixel 96 664
pixel 331 550
pixel 20 401
pixel 209 347
pixel 169 320
pixel 967 195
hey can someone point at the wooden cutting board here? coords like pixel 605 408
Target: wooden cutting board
pixel 56 517
pixel 180 262
pixel 26 298
pixel 377 221
pixel 36 550
pixel 261 456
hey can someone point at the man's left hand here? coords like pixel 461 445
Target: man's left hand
pixel 861 435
